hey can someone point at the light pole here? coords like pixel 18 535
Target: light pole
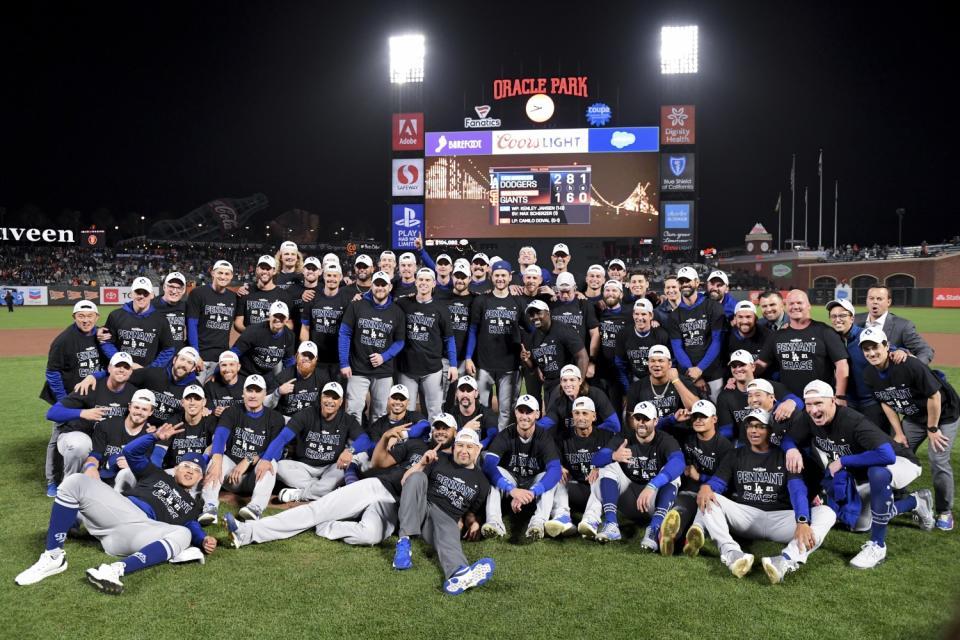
pixel 900 213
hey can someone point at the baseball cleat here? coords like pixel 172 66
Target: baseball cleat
pixel 290 495
pixel 106 578
pixel 694 541
pixel 401 556
pixel 945 521
pixel 52 490
pixel 871 554
pixel 232 528
pixel 649 542
pixel 250 512
pixel 740 563
pixel 190 554
pixel 209 515
pixel 49 564
pixel 493 530
pixel 535 529
pixel 468 577
pixel 588 529
pixel 777 568
pixel 923 513
pixel 610 532
pixel 669 531
pixel 559 527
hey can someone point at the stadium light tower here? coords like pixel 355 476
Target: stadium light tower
pixel 679 51
pixel 406 58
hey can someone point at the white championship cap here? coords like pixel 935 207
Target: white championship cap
pixel 313 263
pixel 121 357
pixel 267 260
pixel 759 415
pixel 194 390
pixel 461 266
pixel 222 264
pixel 467 436
pixel 533 270
pixel 872 334
pixel 189 352
pixel 846 304
pixel 528 401
pixel 760 384
pixel 399 390
pixel 703 408
pixel 228 356
pixel 560 248
pixel 817 389
pixel 616 262
pixel 363 259
pixel 467 381
pixel 146 396
pixel 719 275
pixel 308 346
pixel 596 268
pixel 445 420
pixel 688 273
pixel 566 281
pixel 480 257
pixel 382 276
pixel 745 305
pixel 255 381
pixel 742 356
pixel 279 308
pixel 644 305
pixel 85 305
pixel 539 305
pixel 584 403
pixel 142 284
pixel 645 409
pixel 332 388
pixel 571 370
pixel 658 350
pixel 289 245
pixel 175 275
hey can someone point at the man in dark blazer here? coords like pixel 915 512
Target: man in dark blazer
pixel 899 331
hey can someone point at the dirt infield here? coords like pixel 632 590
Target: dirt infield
pixel 36 342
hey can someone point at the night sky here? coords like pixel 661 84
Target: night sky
pixel 159 107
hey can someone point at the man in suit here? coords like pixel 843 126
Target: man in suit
pixel 899 331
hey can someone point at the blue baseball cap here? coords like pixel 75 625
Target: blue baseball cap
pixel 501 264
pixel 192 457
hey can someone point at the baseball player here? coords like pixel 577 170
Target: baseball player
pixel 614 321
pixel 75 416
pixel 138 329
pixel 481 275
pixel 644 464
pixel 843 440
pixel 929 407
pixel 73 355
pixel 766 501
pixel 210 312
pixel 372 334
pixel 551 346
pixel 156 523
pixel 173 306
pixel 110 436
pixel 325 441
pixel 664 388
pixel 560 257
pixel 494 336
pixel 718 288
pixel 696 334
pixel 593 283
pixel 468 412
pixel 745 332
pixel 437 491
pixel 291 264
pixel 442 266
pixel 266 346
pixel 320 320
pixel 579 471
pixel 388 263
pixel 523 464
pixel 559 415
pixel 298 387
pixel 458 301
pixel 194 435
pixel 255 306
pixel 633 344
pixel 398 413
pixel 236 461
pixel 732 404
pixel 302 291
pixel 702 451
pixel 405 282
pixel 429 341
pixel 577 313
pixel 224 388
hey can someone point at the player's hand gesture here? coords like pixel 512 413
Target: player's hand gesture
pixel 682 415
pixel 804 537
pixel 376 359
pixel 622 453
pixel 520 497
pixel 346 372
pixel 418 242
pixel 96 414
pixel 593 476
pixel 84 386
pixel 785 410
pixel 794 461
pixel 470 527
pixel 454 374
pixel 103 335
pixel 308 295
pixel 345 459
pixel 263 468
pixel 167 430
pixel 691 472
pixel 564 475
pixel 646 498
pixel 474 424
pixel 525 357
pixel 938 441
pixel 706 498
pixel 209 545
pixel 469 367
pixel 898 356
pixel 214 471
pixel 286 388
pixel 237 474
pixel 429 457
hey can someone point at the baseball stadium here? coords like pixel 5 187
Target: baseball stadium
pixel 574 375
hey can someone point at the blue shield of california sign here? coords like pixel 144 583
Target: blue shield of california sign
pixel 677 172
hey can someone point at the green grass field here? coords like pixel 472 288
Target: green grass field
pixel 308 587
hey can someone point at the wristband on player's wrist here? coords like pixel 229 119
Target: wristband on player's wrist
pixel 90 465
pixel 841 396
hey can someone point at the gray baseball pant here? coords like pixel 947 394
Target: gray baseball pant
pixel 754 523
pixel 432 385
pixel 376 524
pixel 594 509
pixel 495 499
pixel 419 517
pixel 508 388
pixel 357 387
pixel 940 466
pixel 445 380
pixel 578 491
pixel 347 502
pixel 120 525
pixel 75 447
pixel 49 463
pixel 904 472
pixel 260 494
pixel 314 482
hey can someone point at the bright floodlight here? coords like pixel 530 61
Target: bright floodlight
pixel 406 58
pixel 678 49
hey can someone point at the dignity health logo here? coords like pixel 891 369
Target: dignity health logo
pixel 677 116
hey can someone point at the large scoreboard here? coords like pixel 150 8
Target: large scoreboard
pixel 540 195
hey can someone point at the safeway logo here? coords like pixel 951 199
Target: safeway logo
pixel 407 131
pixel 408 177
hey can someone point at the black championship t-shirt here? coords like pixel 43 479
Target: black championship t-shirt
pixel 560 410
pixel 752 344
pixel 694 327
pixel 524 459
pixel 704 455
pixel 612 324
pixel 576 453
pixel 261 350
pixel 168 391
pixel 384 423
pixel 905 388
pixel 498 333
pixel 554 350
pixel 374 330
pixel 428 328
pixel 176 315
pixel 663 396
pixel 646 459
pixel 804 355
pixel 632 348
pixel 578 314
pixel 250 433
pixel 458 312
pixel 319 443
pixel 114 404
pixel 254 307
pixel 75 356
pixel 143 336
pixel 214 313
pixel 758 479
pixel 221 394
pixel 456 489
pixel 194 439
pixel 322 315
pixel 732 405
pixel 109 439
pixel 170 502
pixel 306 391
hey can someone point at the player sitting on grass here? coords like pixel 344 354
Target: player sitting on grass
pixel 156 523
pixel 645 465
pixel 765 502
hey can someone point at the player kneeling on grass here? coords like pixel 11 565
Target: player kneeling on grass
pixel 766 502
pixel 523 464
pixel 241 438
pixel 578 454
pixel 438 491
pixel 155 523
pixel 843 440
pixel 645 465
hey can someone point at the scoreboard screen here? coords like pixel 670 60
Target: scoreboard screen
pixel 556 195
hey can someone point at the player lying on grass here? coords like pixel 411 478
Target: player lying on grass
pixel 157 522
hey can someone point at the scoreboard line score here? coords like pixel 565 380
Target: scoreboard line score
pixel 540 195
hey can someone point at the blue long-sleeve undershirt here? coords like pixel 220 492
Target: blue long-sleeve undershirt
pixel 163 358
pixel 55 380
pixel 602 458
pixel 798 498
pixel 677 346
pixel 276 446
pixel 192 332
pixel 726 430
pixel 491 434
pixel 490 467
pixel 59 413
pixel 393 350
pixel 670 471
pixel 452 352
pixel 417 429
pixel 881 456
pixel 471 342
pixel 551 477
pixel 611 423
pixel 136 451
pixel 158 454
pixel 622 372
pixel 712 351
pixel 220 436
pixel 343 344
pixel 108 349
pixel 427 260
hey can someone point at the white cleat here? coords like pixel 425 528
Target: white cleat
pixel 871 554
pixel 48 565
pixel 106 578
